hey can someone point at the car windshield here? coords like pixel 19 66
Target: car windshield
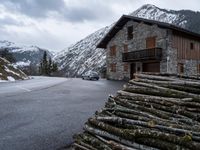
pixel 91 73
pixel 94 74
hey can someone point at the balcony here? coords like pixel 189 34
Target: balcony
pixel 141 55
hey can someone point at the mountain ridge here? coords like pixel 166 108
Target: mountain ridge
pixel 83 55
pixel 27 57
pixel 70 57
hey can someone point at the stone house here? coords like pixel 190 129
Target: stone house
pixel 141 45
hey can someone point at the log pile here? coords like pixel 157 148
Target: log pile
pixel 151 112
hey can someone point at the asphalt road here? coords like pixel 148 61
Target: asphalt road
pixel 43 113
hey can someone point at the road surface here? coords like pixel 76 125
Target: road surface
pixel 43 113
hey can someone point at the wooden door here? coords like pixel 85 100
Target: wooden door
pixel 151 42
pixel 151 67
pixel 132 70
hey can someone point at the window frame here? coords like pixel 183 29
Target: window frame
pixel 129 32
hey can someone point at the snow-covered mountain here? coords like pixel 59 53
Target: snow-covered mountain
pixel 84 55
pixel 26 56
pixel 184 18
pixel 8 72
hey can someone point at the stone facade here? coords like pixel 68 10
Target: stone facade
pixel 138 42
pixel 141 31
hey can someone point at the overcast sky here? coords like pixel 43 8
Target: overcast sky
pixel 56 24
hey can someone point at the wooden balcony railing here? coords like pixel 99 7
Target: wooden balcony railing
pixel 146 54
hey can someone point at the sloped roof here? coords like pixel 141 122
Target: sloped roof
pixel 125 18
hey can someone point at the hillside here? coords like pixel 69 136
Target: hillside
pixel 10 73
pixel 187 19
pixel 151 112
pixel 84 55
pixel 27 57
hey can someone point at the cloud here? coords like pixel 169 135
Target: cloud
pixel 87 11
pixel 73 10
pixel 10 21
pixel 56 24
pixel 34 8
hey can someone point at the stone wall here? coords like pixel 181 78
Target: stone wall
pixel 140 32
pixel 190 67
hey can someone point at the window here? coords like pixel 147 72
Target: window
pixel 130 32
pixel 138 69
pixel 191 46
pixel 198 68
pixel 113 68
pixel 181 68
pixel 125 48
pixel 113 50
pixel 126 66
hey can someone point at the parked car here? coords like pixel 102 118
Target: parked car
pixel 90 75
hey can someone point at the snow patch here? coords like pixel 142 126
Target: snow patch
pixel 22 63
pixel 8 70
pixel 10 78
pixel 3 80
pixel 154 13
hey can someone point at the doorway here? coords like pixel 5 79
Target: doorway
pixel 151 67
pixel 132 70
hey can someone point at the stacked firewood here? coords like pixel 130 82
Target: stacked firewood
pixel 151 112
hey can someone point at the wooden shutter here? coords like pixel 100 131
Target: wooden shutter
pixel 151 42
pixel 113 67
pixel 125 48
pixel 113 50
pixel 198 68
pixel 126 66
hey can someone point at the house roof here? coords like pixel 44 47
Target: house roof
pixel 125 18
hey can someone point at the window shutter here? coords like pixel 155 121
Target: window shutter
pixel 125 48
pixel 151 42
pixel 113 50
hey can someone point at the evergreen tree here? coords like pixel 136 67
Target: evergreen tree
pixel 54 67
pixel 7 55
pixel 47 66
pixel 41 68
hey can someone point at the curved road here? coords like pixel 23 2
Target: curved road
pixel 43 113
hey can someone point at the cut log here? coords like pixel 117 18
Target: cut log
pixel 145 133
pixel 115 145
pixel 75 145
pixel 116 138
pixel 119 120
pixel 151 112
pixel 153 77
pixel 164 90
